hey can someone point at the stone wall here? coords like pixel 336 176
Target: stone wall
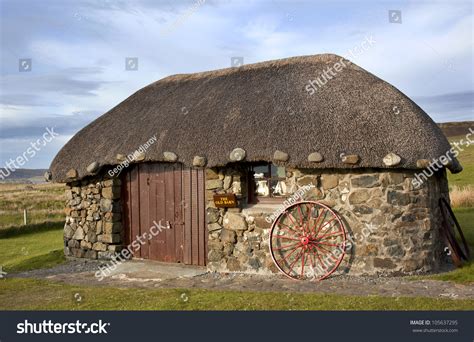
pixel 93 226
pixel 393 227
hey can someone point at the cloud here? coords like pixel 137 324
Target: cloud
pixel 79 49
pixel 446 106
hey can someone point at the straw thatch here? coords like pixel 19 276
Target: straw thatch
pixel 262 108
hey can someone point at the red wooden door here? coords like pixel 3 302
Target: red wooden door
pixel 169 198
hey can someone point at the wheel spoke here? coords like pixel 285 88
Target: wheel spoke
pixel 317 221
pixel 320 229
pixel 285 237
pixel 284 247
pixel 331 234
pixel 302 264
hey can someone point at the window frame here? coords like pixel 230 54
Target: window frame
pixel 255 199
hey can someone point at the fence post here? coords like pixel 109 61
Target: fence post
pixel 25 216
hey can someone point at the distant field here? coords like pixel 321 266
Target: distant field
pixel 466 157
pixel 43 202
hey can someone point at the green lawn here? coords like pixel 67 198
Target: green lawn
pixel 32 294
pixel 31 247
pixel 466 157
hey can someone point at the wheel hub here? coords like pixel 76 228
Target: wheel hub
pixel 305 240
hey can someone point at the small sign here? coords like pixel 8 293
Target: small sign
pixel 225 201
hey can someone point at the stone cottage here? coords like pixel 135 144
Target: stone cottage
pixel 195 169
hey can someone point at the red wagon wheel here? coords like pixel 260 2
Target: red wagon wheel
pixel 307 241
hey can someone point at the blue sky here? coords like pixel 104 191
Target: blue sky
pixel 78 50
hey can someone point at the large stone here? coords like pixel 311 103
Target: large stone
pixel 228 236
pixel 358 197
pixel 212 215
pixel 398 198
pixel 91 236
pixel 392 159
pixel 48 176
pixel 214 255
pixel 383 263
pixel 213 184
pixel 329 181
pixel 71 174
pixel 350 158
pixel 199 161
pixel 93 167
pixel 313 194
pixel 90 254
pixel 68 231
pixel 170 156
pixel 234 221
pixel 315 157
pixel 109 238
pixel 365 181
pixel 422 163
pixel 227 182
pixel 112 227
pixel 106 205
pixel 86 244
pixel 112 192
pixel 261 223
pixel 214 227
pixel 78 234
pixel 280 156
pixel 138 156
pixel 99 246
pixel 234 265
pixel 307 180
pixel 237 154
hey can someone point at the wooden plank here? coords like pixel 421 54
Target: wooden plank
pixel 161 211
pixel 201 218
pixel 126 207
pixel 169 214
pixel 187 251
pixel 152 253
pixel 179 215
pixel 194 217
pixel 143 171
pixel 134 207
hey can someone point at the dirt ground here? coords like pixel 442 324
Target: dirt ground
pixel 149 274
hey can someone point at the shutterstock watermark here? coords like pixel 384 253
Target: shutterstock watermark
pixel 132 157
pixel 126 253
pixel 331 71
pixel 14 164
pixel 326 261
pixel 443 160
pixel 297 196
pixel 190 11
pixel 49 327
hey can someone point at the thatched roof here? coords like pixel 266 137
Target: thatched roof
pixel 262 108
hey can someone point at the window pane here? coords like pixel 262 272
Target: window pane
pixel 261 171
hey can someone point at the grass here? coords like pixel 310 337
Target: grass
pixel 466 157
pixel 31 247
pixel 33 294
pixel 464 275
pixel 44 202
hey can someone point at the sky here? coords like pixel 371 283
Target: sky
pixel 63 62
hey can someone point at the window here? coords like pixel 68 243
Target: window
pixel 266 183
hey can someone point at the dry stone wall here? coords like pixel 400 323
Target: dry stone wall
pixel 93 226
pixel 393 227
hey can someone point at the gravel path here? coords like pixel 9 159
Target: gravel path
pixel 80 272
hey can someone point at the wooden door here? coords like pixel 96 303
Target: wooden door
pixel 163 204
